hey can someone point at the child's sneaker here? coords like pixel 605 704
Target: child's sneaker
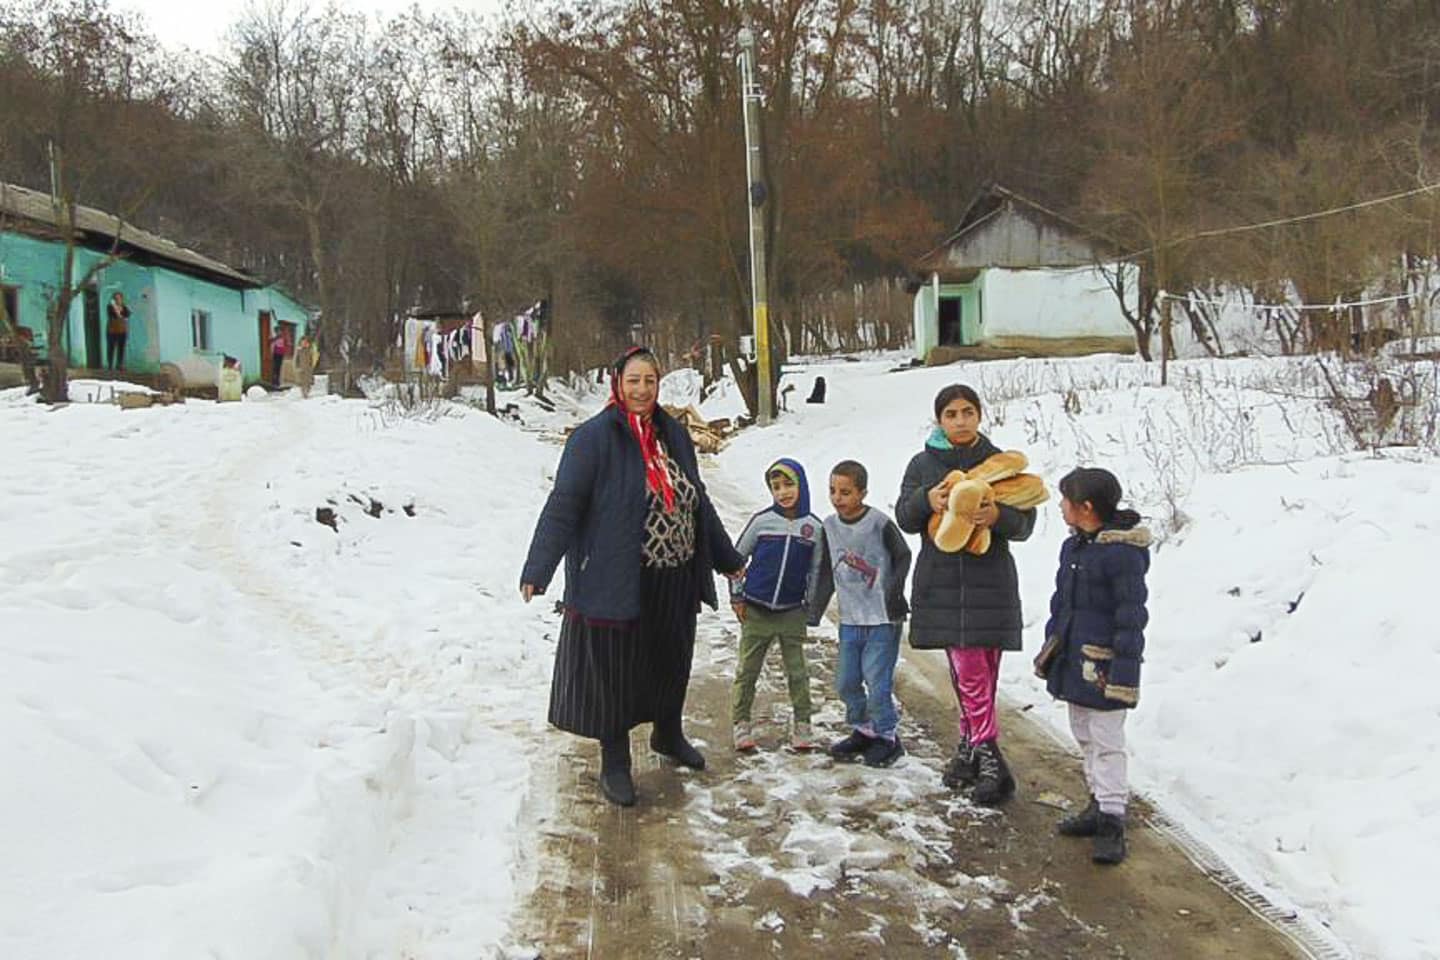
pixel 745 741
pixel 802 738
pixel 883 752
pixel 852 747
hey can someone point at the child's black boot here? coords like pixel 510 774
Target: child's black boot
pixel 852 747
pixel 993 782
pixel 883 752
pixel 1109 839
pixel 615 781
pixel 1081 824
pixel 961 770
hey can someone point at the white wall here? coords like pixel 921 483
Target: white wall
pixel 923 318
pixel 1051 303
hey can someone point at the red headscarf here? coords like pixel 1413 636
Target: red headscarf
pixel 657 478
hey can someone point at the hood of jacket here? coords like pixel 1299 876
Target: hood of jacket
pixel 802 505
pixel 1136 536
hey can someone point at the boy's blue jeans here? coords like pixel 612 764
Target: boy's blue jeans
pixel 865 677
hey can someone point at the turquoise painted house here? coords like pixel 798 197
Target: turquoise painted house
pixel 187 311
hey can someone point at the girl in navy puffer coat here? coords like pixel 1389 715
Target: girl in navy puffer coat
pixel 1093 645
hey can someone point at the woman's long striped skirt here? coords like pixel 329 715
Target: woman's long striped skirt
pixel 611 676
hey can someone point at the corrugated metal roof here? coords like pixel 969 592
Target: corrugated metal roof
pixel 986 206
pixel 100 228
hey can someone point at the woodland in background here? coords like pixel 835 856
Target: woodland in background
pixel 594 156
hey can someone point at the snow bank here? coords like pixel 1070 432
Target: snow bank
pixel 235 731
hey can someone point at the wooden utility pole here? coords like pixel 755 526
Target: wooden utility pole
pixel 757 198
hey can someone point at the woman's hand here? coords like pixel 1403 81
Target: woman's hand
pixel 739 608
pixel 987 514
pixel 527 590
pixel 939 496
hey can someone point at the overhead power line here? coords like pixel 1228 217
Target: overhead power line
pixel 1259 307
pixel 1286 221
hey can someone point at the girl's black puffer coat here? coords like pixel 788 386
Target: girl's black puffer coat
pixel 959 599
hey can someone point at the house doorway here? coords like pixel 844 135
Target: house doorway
pixel 10 304
pixel 94 342
pixel 267 322
pixel 950 333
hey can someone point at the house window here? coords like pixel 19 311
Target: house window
pixel 200 329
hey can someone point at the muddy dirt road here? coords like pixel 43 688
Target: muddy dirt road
pixel 789 855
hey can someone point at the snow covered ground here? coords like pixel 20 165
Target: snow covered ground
pixel 234 731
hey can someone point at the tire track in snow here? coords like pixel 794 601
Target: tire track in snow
pixel 413 879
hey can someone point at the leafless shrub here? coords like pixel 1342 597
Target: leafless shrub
pixel 1164 444
pixel 1384 403
pixel 418 397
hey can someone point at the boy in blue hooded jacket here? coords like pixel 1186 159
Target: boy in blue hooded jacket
pixel 784 544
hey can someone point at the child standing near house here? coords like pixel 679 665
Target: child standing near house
pixel 867 561
pixel 784 544
pixel 1094 640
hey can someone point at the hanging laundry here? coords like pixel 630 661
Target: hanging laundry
pixel 476 332
pixel 434 365
pixel 417 359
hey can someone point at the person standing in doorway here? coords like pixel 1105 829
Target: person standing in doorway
pixel 277 356
pixel 117 331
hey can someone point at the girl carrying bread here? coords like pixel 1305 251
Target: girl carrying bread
pixel 966 594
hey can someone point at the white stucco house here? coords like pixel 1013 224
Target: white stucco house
pixel 1015 276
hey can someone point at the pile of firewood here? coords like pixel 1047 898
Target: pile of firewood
pixel 133 400
pixel 709 435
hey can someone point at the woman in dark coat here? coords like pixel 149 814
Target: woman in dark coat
pixel 640 539
pixel 965 604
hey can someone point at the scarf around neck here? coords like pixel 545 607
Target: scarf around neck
pixel 657 478
pixel 939 441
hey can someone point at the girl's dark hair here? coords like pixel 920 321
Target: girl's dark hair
pixel 1101 490
pixel 956 391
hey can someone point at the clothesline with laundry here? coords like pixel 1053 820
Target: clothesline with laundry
pixel 436 348
pixel 440 347
pixel 519 345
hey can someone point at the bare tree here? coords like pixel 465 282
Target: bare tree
pixel 296 84
pixel 1162 131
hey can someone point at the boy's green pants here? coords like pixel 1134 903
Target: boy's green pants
pixel 760 629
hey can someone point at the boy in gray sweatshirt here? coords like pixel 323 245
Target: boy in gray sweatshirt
pixel 866 562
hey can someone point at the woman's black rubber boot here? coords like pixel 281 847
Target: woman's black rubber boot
pixel 615 781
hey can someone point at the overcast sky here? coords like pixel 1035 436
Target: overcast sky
pixel 201 24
